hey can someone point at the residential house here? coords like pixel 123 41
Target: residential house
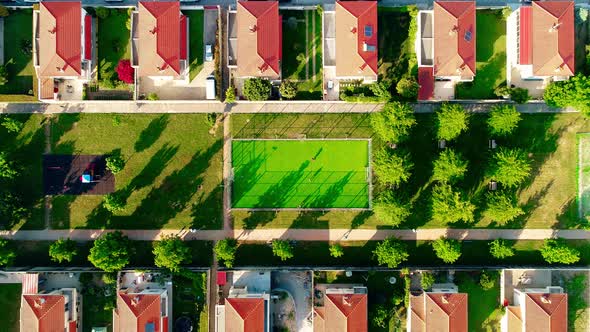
pixel 344 309
pixel 540 44
pixel 255 40
pixel 445 46
pixel 56 311
pixel 442 309
pixel 159 35
pixel 62 49
pixel 142 304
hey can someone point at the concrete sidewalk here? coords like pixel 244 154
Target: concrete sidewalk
pixel 264 235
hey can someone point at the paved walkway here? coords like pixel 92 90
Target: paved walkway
pixel 307 234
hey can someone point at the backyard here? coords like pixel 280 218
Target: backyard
pixel 172 175
pixel 484 305
pixel 98 302
pixel 18 35
pixel 584 175
pixel 190 299
pixel 195 47
pixel 10 303
pixel 302 51
pixel 490 56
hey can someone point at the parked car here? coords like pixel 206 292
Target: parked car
pixel 208 53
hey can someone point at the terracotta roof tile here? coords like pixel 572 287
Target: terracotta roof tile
pixel 439 312
pixel 345 312
pixel 42 313
pixel 545 312
pixel 514 319
pixel 136 311
pixel 244 315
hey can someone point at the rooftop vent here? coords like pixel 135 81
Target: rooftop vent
pixel 253 28
pixel 353 29
pixel 454 30
pixel 545 299
pixel 555 27
pixel 445 299
pixel 53 31
pixel 154 30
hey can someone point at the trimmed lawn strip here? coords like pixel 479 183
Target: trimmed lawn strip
pixel 196 47
pixel 113 40
pixel 26 150
pixel 190 299
pixel 490 57
pixel 484 305
pixel 10 295
pixel 18 30
pixel 172 177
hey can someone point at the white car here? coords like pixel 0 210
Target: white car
pixel 208 53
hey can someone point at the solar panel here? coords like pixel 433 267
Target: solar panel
pixel 468 35
pixel 368 31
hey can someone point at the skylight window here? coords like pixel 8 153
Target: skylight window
pixel 368 31
pixel 468 36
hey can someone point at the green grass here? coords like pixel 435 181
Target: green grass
pixel 172 177
pixel 484 305
pixel 490 56
pixel 21 73
pixel 190 299
pixel 196 19
pixel 584 174
pixel 10 303
pixel 300 173
pixel 113 41
pixel 25 149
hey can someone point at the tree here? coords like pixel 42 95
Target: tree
pixel 448 206
pixel 509 167
pixel 427 280
pixel 558 251
pixel 109 278
pixel 391 252
pixel 7 253
pixel 3 75
pixel 7 168
pixel 449 166
pixel 391 210
pixel 11 124
pixel 102 12
pixel 451 121
pixel 282 249
pixel 448 250
pixel 502 207
pixel 113 202
pixel 500 249
pixel 257 89
pixel 381 90
pixel 392 168
pixel 171 252
pixel 394 123
pixel 288 89
pixel 230 95
pixel 408 88
pixel 226 251
pixel 110 252
pixel 487 280
pixel 125 72
pixel 4 11
pixel 380 316
pixel 503 120
pixel 336 250
pixel 115 163
pixel 63 250
pixel 574 92
pixel 520 95
pixel 11 209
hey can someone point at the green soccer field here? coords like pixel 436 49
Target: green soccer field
pixel 300 174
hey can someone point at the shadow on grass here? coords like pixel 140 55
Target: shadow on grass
pixel 151 133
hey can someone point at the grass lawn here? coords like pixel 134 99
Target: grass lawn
pixel 300 173
pixel 584 174
pixel 10 303
pixel 484 305
pixel 19 64
pixel 25 149
pixel 190 299
pixel 196 19
pixel 302 33
pixel 113 41
pixel 172 177
pixel 490 57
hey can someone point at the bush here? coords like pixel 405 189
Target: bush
pixel 520 95
pixel 3 75
pixel 170 253
pixel 503 120
pixel 115 163
pixel 391 252
pixel 510 167
pixel 408 88
pixel 451 121
pixel 113 202
pixel 394 123
pixel 257 89
pixel 427 280
pixel 226 251
pixel 288 89
pixel 7 168
pixel 365 93
pixel 380 90
pixel 336 250
pixel 502 207
pixel 500 249
pixel 63 250
pixel 7 253
pixel 153 96
pixel 12 125
pixel 125 72
pixel 392 168
pixel 230 95
pixel 391 210
pixel 4 12
pixel 574 92
pixel 449 166
pixel 448 206
pixel 102 12
pixel 11 209
pixel 558 251
pixel 110 252
pixel 447 249
pixel 487 280
pixel 282 249
pixel 380 316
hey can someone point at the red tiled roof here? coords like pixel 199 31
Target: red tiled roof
pixel 426 82
pixel 346 312
pixel 136 311
pixel 30 283
pixel 73 326
pixel 165 324
pixel 167 29
pixel 221 278
pixel 244 315
pixel 183 36
pixel 366 15
pixel 545 312
pixel 66 33
pixel 88 37
pixel 526 39
pixel 259 38
pixel 43 313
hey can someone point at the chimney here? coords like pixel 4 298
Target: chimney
pixel 154 30
pixel 40 302
pixel 353 29
pixel 445 298
pixel 53 31
pixel 253 28
pixel 345 301
pixel 555 27
pixel 559 68
pixel 545 299
pixel 454 30
pixel 135 301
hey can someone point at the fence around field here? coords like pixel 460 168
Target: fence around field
pixel 584 175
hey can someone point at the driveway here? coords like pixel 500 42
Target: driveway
pixel 298 284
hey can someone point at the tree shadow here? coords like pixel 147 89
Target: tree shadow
pixel 60 125
pixel 151 133
pixel 207 212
